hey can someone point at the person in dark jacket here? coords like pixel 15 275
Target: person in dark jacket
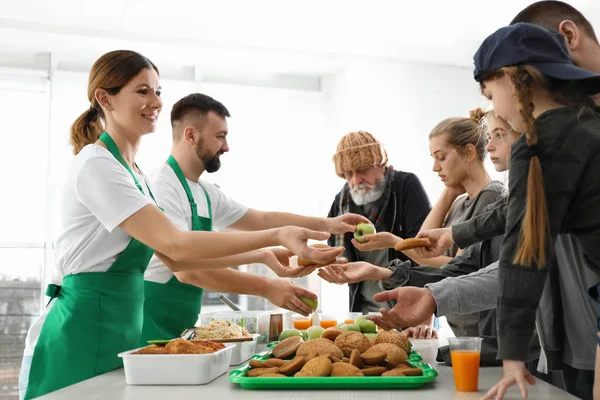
pixel 394 201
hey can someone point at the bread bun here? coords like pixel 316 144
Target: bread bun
pixel 287 347
pixel 412 243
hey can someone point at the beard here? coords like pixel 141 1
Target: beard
pixel 364 194
pixel 212 163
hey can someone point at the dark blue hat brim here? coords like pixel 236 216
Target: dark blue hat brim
pixel 569 72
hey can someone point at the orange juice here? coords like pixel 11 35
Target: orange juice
pixel 302 324
pixel 349 321
pixel 328 323
pixel 465 365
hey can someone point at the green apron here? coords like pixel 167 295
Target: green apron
pixel 172 307
pixel 95 316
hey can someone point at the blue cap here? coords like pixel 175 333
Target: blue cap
pixel 528 44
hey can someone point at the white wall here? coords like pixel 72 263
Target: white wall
pixel 282 140
pixel 399 103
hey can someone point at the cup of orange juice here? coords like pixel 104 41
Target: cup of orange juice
pixel 465 353
pixel 302 323
pixel 350 317
pixel 327 320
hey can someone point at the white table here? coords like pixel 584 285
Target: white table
pixel 112 386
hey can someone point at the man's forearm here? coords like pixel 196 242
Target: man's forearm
pixel 226 280
pixel 278 219
pixel 213 263
pixel 255 220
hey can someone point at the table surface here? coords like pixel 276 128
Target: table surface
pixel 112 386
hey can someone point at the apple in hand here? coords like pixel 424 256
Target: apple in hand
pixel 309 302
pixel 363 229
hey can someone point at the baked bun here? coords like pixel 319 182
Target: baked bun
pixel 412 243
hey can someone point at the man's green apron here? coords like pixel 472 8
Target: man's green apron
pixel 95 316
pixel 172 307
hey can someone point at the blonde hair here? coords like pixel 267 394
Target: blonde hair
pixel 484 123
pixel 461 132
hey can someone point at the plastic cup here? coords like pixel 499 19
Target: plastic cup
pixel 327 320
pixel 465 353
pixel 302 323
pixel 350 317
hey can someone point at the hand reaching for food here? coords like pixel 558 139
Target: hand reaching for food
pixel 414 306
pixel 295 239
pixel 377 241
pixel 353 272
pixel 421 332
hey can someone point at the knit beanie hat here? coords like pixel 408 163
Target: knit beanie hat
pixel 358 150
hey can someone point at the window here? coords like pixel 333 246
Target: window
pixel 23 158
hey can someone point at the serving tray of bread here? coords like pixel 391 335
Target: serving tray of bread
pixel 337 360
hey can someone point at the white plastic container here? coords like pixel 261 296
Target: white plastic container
pixel 175 369
pixel 243 351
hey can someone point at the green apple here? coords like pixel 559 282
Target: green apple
pixel 314 332
pixel 340 325
pixel 367 326
pixel 371 335
pixel 309 302
pixel 350 327
pixel 363 229
pixel 304 334
pixel 360 319
pixel 289 333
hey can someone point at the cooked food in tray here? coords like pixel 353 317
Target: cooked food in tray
pixel 218 329
pixel 182 346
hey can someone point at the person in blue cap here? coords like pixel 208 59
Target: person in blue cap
pixel 566 317
pixel 527 73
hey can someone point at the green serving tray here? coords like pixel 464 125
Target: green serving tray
pixel 238 376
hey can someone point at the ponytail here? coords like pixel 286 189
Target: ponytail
pixel 86 129
pixel 535 228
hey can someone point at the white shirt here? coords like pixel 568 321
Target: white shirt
pixel 170 195
pixel 99 194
